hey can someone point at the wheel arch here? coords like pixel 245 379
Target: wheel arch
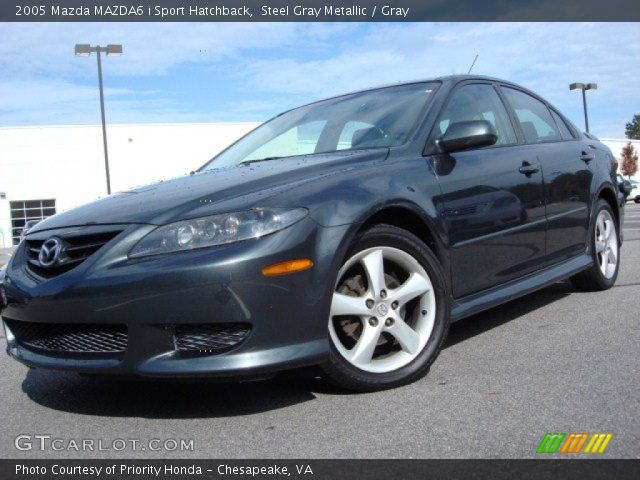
pixel 409 217
pixel 607 193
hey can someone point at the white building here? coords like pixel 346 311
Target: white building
pixel 44 170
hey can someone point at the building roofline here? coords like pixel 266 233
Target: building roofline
pixel 110 125
pixel 612 139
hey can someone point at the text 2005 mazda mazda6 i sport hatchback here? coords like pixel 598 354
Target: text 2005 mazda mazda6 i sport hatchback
pixel 347 233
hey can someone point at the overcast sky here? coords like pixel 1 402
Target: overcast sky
pixel 210 72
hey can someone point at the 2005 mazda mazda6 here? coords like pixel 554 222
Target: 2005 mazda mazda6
pixel 348 233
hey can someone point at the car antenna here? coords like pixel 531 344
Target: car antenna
pixel 473 63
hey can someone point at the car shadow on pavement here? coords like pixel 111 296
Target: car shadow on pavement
pixel 118 397
pixel 123 397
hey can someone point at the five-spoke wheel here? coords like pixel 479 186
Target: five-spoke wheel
pixel 606 243
pixel 388 313
pixel 383 309
pixel 604 249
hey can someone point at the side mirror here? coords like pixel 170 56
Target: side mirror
pixel 465 135
pixel 626 187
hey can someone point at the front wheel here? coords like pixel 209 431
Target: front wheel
pixel 389 312
pixel 605 250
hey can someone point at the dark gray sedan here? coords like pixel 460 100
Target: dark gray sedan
pixel 347 233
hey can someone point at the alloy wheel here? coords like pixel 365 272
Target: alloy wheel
pixel 606 244
pixel 383 309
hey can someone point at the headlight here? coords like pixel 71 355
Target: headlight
pixel 216 230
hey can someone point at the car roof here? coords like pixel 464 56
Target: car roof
pixel 451 81
pixel 448 79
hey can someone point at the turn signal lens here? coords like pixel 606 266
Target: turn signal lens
pixel 290 266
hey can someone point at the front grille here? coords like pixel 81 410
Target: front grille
pixel 209 338
pixel 69 339
pixel 76 248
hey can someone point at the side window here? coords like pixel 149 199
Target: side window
pixel 299 140
pixel 477 102
pixel 564 130
pixel 534 117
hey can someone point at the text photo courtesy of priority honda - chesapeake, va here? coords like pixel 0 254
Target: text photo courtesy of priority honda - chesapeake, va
pixel 319 240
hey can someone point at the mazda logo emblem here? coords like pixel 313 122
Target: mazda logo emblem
pixel 50 252
pixel 382 309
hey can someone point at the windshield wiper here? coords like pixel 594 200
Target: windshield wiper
pixel 255 160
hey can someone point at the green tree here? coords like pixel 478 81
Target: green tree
pixel 629 161
pixel 632 129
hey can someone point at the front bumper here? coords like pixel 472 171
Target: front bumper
pixel 287 314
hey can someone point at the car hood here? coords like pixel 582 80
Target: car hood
pixel 208 192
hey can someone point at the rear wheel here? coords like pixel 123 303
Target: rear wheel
pixel 389 314
pixel 605 250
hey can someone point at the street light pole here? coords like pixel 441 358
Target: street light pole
pixel 84 50
pixel 584 87
pixel 584 105
pixel 104 124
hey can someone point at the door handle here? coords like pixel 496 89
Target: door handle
pixel 586 157
pixel 528 169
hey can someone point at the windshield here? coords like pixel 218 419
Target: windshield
pixel 384 117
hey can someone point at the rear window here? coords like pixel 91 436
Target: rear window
pixel 564 130
pixel 534 117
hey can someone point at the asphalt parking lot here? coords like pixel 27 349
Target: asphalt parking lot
pixel 555 361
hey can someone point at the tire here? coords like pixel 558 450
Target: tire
pixel 636 200
pixel 600 276
pixel 412 295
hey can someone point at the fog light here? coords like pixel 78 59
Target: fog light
pixel 290 266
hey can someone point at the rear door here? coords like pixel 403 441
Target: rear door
pixel 492 200
pixel 567 177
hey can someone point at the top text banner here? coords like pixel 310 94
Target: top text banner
pixel 319 11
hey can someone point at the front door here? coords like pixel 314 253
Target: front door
pixel 492 198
